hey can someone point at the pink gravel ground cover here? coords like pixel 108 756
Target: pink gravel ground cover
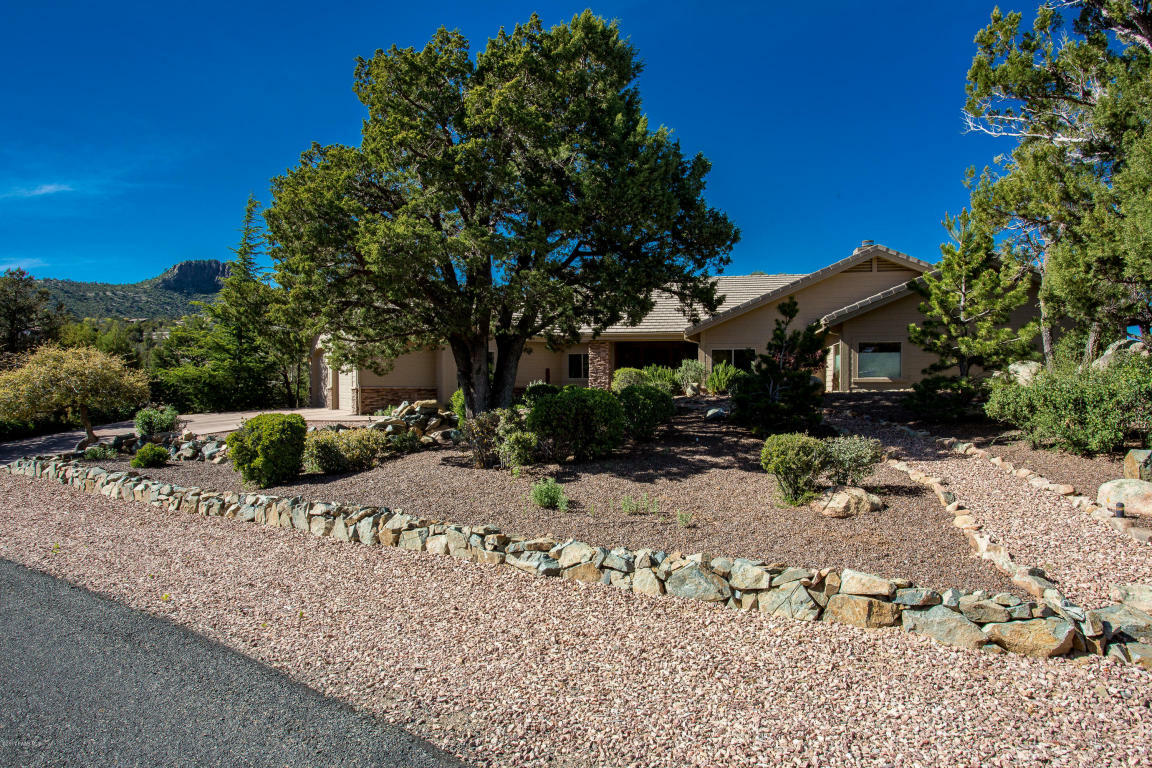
pixel 1086 557
pixel 504 669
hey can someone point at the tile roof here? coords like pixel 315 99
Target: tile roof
pixel 666 316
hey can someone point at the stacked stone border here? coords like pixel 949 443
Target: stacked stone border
pixel 1087 504
pixel 1045 627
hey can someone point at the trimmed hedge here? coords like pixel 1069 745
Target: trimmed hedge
pixel 797 461
pixel 579 422
pixel 268 449
pixel 645 409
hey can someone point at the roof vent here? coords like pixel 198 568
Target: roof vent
pixel 866 243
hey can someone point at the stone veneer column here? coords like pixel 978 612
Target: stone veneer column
pixel 599 366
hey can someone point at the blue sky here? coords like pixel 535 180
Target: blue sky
pixel 133 132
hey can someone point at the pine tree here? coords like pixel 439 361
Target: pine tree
pixel 968 303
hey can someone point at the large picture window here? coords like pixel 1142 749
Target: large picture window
pixel 740 358
pixel 879 360
pixel 578 366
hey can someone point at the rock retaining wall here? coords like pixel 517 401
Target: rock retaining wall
pixel 1045 626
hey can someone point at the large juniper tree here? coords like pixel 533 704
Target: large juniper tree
pixel 1074 92
pixel 492 199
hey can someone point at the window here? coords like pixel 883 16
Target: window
pixel 741 358
pixel 578 366
pixel 879 360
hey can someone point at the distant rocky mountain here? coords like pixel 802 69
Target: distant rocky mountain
pixel 165 296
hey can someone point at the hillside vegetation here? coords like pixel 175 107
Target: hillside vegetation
pixel 169 295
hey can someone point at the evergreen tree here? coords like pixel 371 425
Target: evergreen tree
pixel 27 316
pixel 780 393
pixel 968 303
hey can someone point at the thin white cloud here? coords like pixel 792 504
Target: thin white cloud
pixel 38 191
pixel 25 264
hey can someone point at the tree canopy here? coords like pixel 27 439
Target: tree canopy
pixel 1074 92
pixel 28 316
pixel 969 300
pixel 54 379
pixel 513 194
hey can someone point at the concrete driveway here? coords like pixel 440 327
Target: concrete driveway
pixel 200 423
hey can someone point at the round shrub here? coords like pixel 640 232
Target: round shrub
pixel 517 448
pixel 549 494
pixel 537 390
pixel 269 448
pixel 797 461
pixel 579 422
pixel 645 409
pixel 322 452
pixel 627 377
pixel 151 421
pixel 851 458
pixel 149 455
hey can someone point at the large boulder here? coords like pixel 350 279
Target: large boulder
pixel 1138 596
pixel 1123 346
pixel 945 626
pixel 861 611
pixel 846 501
pixel 1041 638
pixel 1138 465
pixel 1135 495
pixel 1120 619
pixel 698 583
pixel 1023 372
pixel 866 584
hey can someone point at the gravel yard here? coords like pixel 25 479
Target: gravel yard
pixel 706 469
pixel 503 669
pixel 1085 556
pixel 1086 473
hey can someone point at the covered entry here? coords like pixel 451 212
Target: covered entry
pixel 638 354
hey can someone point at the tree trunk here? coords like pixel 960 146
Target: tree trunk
pixel 90 435
pixel 508 351
pixel 1046 335
pixel 1092 346
pixel 471 355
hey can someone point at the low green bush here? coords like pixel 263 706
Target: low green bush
pixel 691 372
pixel 537 389
pixel 851 458
pixel 663 378
pixel 797 461
pixel 405 442
pixel 720 378
pixel 348 450
pixel 100 452
pixel 1080 411
pixel 482 434
pixel 149 455
pixel 151 421
pixel 645 409
pixel 549 494
pixel 269 448
pixel 627 377
pixel 322 452
pixel 459 406
pixel 580 422
pixel 518 448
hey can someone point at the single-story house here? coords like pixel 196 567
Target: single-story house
pixel 865 302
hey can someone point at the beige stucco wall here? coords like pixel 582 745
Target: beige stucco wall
pixel 752 329
pixel 415 369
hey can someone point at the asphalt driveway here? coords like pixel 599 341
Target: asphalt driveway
pixel 85 681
